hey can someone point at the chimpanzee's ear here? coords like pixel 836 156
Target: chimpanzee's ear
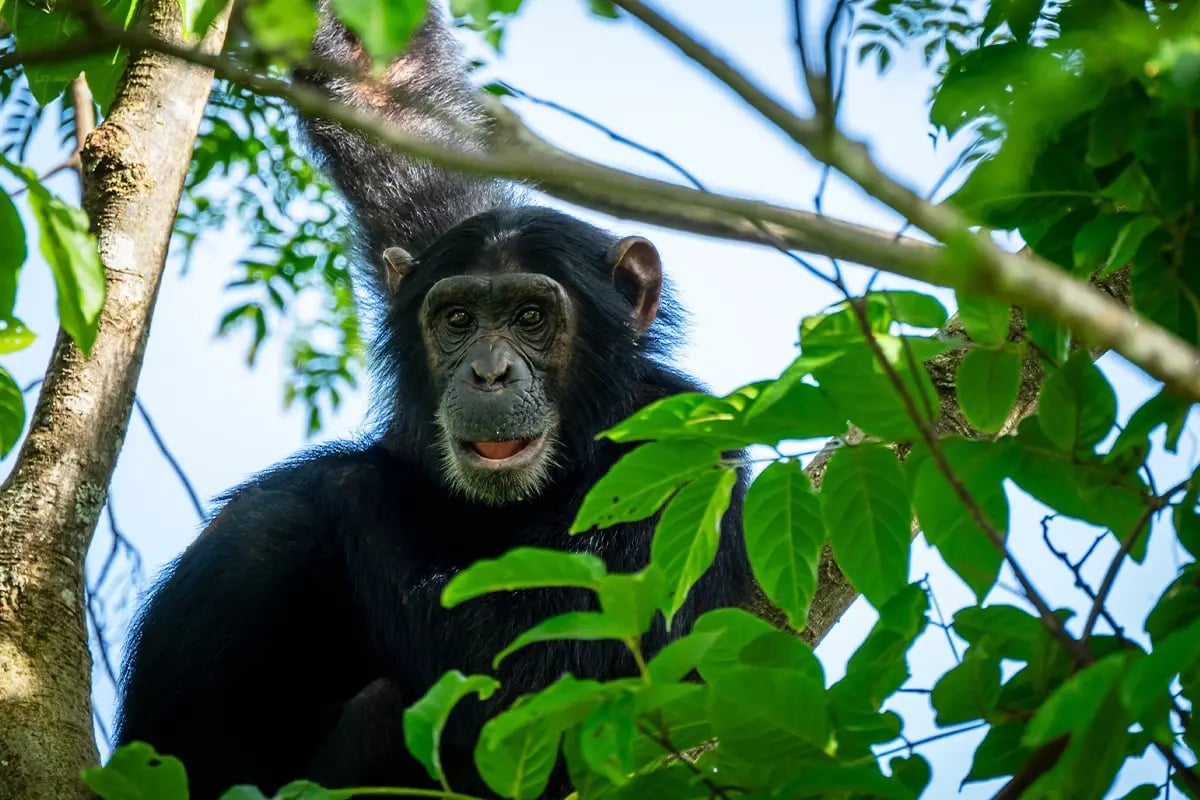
pixel 397 263
pixel 637 274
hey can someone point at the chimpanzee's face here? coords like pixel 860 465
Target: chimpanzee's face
pixel 497 345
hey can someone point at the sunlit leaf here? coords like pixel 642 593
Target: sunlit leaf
pixel 689 533
pixel 641 482
pixel 383 26
pixel 524 568
pixel 425 719
pixel 136 772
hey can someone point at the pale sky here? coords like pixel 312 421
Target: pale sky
pixel 224 421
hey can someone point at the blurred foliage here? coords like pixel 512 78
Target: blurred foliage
pixel 293 280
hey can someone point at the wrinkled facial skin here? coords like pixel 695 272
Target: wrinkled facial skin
pixel 497 346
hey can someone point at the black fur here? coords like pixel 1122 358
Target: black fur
pixel 286 641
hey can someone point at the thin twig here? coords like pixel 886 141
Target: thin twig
pixel 170 457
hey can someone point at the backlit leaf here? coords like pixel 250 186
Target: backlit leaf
pixel 864 499
pixel 784 535
pixel 425 719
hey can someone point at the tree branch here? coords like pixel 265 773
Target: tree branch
pixel 971 263
pixel 974 263
pixel 132 175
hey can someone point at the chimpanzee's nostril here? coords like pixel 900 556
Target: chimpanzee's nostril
pixel 491 370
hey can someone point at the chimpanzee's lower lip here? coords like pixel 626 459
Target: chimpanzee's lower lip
pixel 509 453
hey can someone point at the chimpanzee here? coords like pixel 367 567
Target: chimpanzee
pixel 286 641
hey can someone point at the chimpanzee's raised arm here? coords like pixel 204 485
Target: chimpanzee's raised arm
pixel 399 201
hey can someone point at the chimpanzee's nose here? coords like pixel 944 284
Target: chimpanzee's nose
pixel 490 370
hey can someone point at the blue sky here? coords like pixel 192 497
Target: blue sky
pixel 225 421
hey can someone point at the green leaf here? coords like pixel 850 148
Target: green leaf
pixel 980 468
pixel 1085 488
pixel 733 628
pixel 913 771
pixel 1073 705
pixel 1163 408
pixel 518 765
pixel 70 250
pixel 517 749
pixel 300 790
pixel 986 320
pixel 866 507
pixel 244 793
pixel 986 385
pixel 1051 338
pixel 1129 239
pixel 911 308
pixel 642 481
pixel 581 625
pixel 769 710
pixel 14 336
pixel 845 780
pixel 784 535
pixel 761 413
pixel 879 667
pixel 603 8
pixel 425 719
pixel 1000 753
pixel 1005 631
pixel 606 738
pixel 689 532
pixel 383 26
pixel 12 412
pixel 1148 680
pixel 859 387
pixel 137 772
pixel 287 26
pixel 1094 754
pixel 631 600
pixel 1146 791
pixel 524 568
pixel 12 255
pixel 969 691
pixel 680 657
pixel 37 28
pixel 1186 520
pixel 199 14
pixel 791 379
pixel 1077 406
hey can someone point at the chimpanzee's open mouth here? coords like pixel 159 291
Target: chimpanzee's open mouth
pixel 508 453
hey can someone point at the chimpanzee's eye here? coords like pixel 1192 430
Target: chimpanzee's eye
pixel 530 318
pixel 459 319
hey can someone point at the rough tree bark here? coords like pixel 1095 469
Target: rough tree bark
pixel 134 167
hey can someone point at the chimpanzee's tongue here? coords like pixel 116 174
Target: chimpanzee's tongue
pixel 499 451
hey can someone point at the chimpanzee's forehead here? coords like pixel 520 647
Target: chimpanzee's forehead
pixel 494 289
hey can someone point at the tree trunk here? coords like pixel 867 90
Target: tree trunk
pixel 134 167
